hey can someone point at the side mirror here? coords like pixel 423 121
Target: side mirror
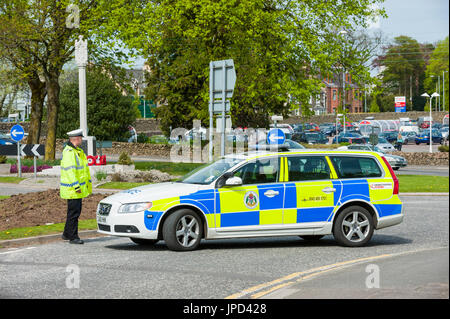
pixel 233 181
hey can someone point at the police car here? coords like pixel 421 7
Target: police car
pixel 307 193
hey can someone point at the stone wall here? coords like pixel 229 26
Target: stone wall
pixel 425 159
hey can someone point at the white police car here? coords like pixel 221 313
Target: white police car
pixel 308 193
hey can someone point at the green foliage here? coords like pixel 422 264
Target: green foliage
pixel 439 62
pixel 404 63
pixel 108 112
pixel 100 175
pixel 124 159
pixel 443 148
pixel 374 108
pixel 276 47
pixel 142 138
pixel 3 159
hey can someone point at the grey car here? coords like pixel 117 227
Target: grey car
pixel 394 160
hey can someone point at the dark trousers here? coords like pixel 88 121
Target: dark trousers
pixel 73 213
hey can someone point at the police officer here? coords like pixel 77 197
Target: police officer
pixel 75 183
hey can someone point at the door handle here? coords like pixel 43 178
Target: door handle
pixel 271 193
pixel 328 190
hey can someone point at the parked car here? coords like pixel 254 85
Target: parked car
pixel 349 137
pixel 408 137
pixel 383 144
pixel 390 136
pixel 444 132
pixel 328 129
pixel 286 128
pixel 6 140
pixel 310 138
pixel 424 137
pixel 293 145
pixel 395 161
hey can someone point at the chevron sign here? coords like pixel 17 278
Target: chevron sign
pixel 25 150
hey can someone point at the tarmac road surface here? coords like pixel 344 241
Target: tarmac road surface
pixel 113 267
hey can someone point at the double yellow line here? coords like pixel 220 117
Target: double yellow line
pixel 261 290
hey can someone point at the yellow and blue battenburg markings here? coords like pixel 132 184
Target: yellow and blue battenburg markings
pixel 285 202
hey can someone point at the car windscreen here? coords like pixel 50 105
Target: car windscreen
pixel 208 173
pixel 312 137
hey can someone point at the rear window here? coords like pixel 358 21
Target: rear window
pixel 355 167
pixel 304 168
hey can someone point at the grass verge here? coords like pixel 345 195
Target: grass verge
pixel 423 184
pixel 168 167
pixel 24 232
pixel 11 179
pixel 120 185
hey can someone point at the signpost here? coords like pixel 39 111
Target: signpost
pixel 400 104
pixel 17 134
pixel 222 79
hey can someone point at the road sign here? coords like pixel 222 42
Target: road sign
pixel 218 107
pixel 275 136
pixel 24 150
pixel 220 82
pixel 17 133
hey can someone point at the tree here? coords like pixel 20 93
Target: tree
pixel 108 111
pixel 41 35
pixel 404 69
pixel 276 47
pixel 439 62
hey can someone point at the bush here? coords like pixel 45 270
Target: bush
pixel 28 169
pixel 142 138
pixel 2 159
pixel 124 159
pixel 116 177
pixel 443 148
pixel 100 175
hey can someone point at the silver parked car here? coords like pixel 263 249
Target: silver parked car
pixel 394 160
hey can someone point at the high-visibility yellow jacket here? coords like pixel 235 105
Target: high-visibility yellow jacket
pixel 75 174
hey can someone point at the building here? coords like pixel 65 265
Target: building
pixel 354 97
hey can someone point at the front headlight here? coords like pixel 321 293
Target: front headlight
pixel 134 207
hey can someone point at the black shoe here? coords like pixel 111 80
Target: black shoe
pixel 64 237
pixel 76 241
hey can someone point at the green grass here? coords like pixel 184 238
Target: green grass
pixel 121 185
pixel 11 179
pixel 423 184
pixel 24 232
pixel 3 197
pixel 168 167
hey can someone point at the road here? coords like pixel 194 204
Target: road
pixel 110 267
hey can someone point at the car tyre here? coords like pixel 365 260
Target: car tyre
pixel 144 242
pixel 353 227
pixel 183 230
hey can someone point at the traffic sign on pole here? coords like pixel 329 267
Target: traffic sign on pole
pixel 17 133
pixel 276 136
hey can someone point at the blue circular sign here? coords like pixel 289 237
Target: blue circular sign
pixel 17 133
pixel 276 136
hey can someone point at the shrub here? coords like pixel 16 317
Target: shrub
pixel 443 148
pixel 2 159
pixel 117 177
pixel 124 159
pixel 100 175
pixel 142 138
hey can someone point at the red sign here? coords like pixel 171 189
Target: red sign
pixel 96 160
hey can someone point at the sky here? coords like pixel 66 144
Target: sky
pixel 427 21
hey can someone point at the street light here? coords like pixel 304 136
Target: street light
pixel 431 119
pixel 438 87
pixel 443 90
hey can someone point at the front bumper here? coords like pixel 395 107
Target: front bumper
pixel 124 225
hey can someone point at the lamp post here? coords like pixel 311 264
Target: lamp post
pixel 443 90
pixel 431 118
pixel 81 58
